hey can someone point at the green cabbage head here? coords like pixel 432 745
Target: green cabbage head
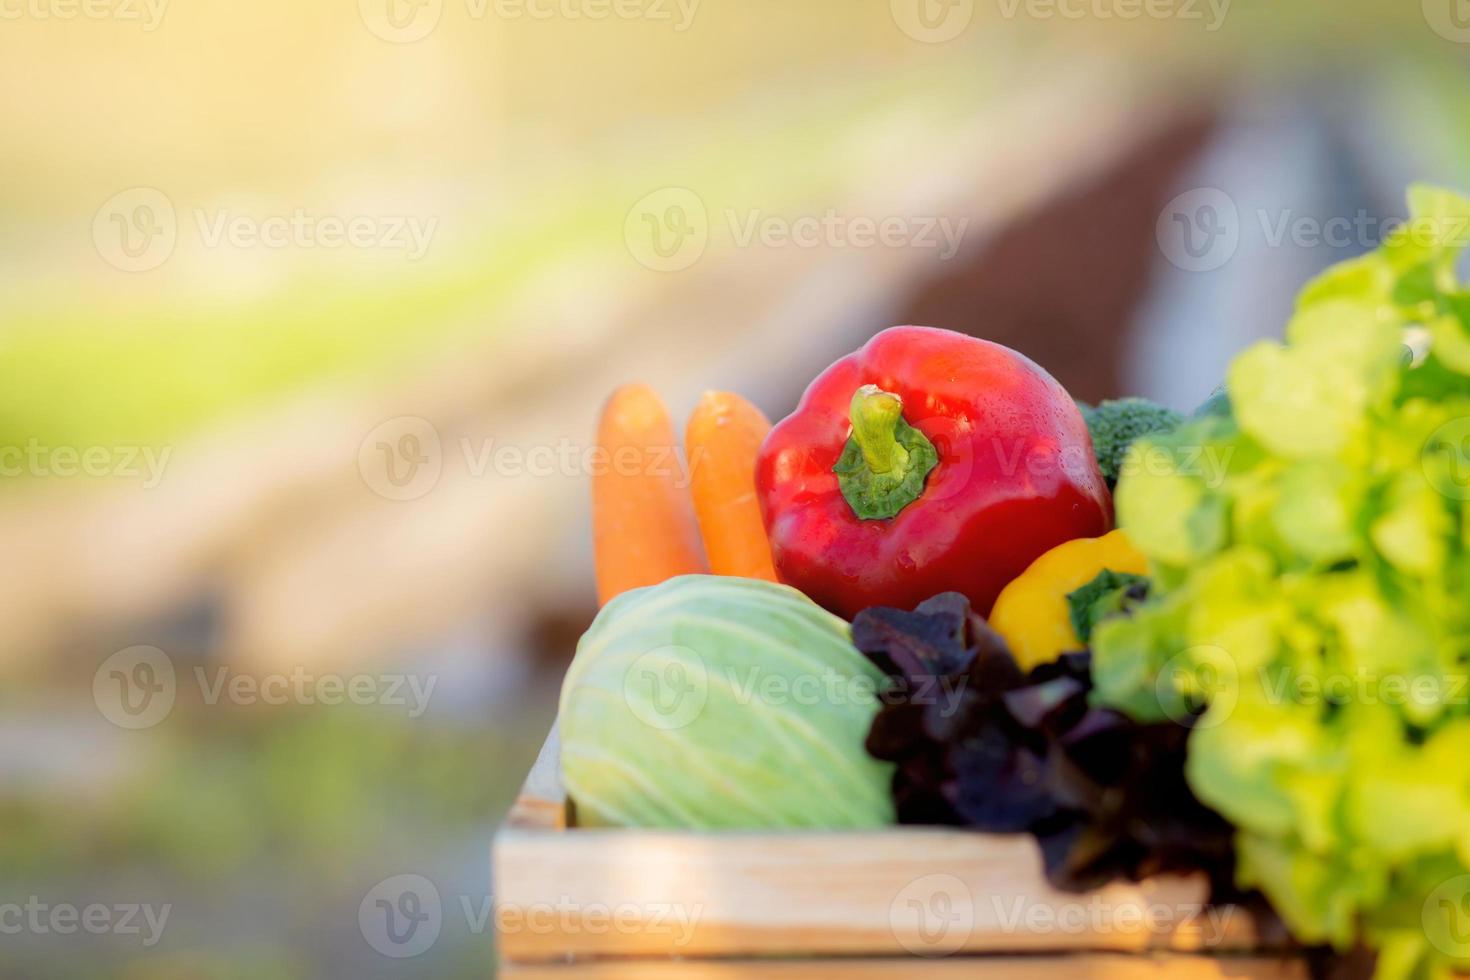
pixel 712 702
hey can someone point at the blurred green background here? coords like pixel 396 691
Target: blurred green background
pixel 182 304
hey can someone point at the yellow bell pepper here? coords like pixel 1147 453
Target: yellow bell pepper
pixel 1032 613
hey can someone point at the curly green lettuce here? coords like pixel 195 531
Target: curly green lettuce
pixel 1311 602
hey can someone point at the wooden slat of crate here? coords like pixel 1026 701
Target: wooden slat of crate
pixel 590 894
pixel 1087 966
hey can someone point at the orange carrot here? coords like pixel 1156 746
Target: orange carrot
pixel 642 519
pixel 721 442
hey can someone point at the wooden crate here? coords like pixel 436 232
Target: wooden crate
pixel 633 904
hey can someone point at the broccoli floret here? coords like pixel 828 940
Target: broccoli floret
pixel 1116 424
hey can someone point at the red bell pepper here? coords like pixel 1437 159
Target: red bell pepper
pixel 926 462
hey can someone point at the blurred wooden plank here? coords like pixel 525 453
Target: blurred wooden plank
pixel 884 893
pixel 564 893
